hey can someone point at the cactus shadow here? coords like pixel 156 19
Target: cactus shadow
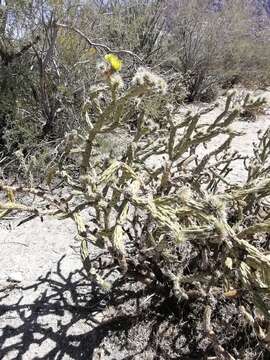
pixel 57 317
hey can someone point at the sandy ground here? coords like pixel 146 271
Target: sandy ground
pixel 48 310
pixel 39 291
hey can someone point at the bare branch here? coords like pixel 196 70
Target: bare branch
pixel 99 45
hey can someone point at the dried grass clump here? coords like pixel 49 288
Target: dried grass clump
pixel 171 222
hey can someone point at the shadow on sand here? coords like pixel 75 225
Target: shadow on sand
pixel 66 317
pixel 57 317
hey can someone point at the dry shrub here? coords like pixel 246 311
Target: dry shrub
pixel 218 45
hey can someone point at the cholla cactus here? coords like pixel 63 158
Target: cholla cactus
pixel 148 78
pixel 158 195
pixel 249 107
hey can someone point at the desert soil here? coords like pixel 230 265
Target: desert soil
pixel 48 310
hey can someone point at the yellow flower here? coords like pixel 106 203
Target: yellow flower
pixel 114 61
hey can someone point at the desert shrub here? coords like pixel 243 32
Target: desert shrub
pixel 219 45
pixel 135 25
pixel 166 218
pixel 195 39
pixel 47 60
pixel 245 42
pixel 36 58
